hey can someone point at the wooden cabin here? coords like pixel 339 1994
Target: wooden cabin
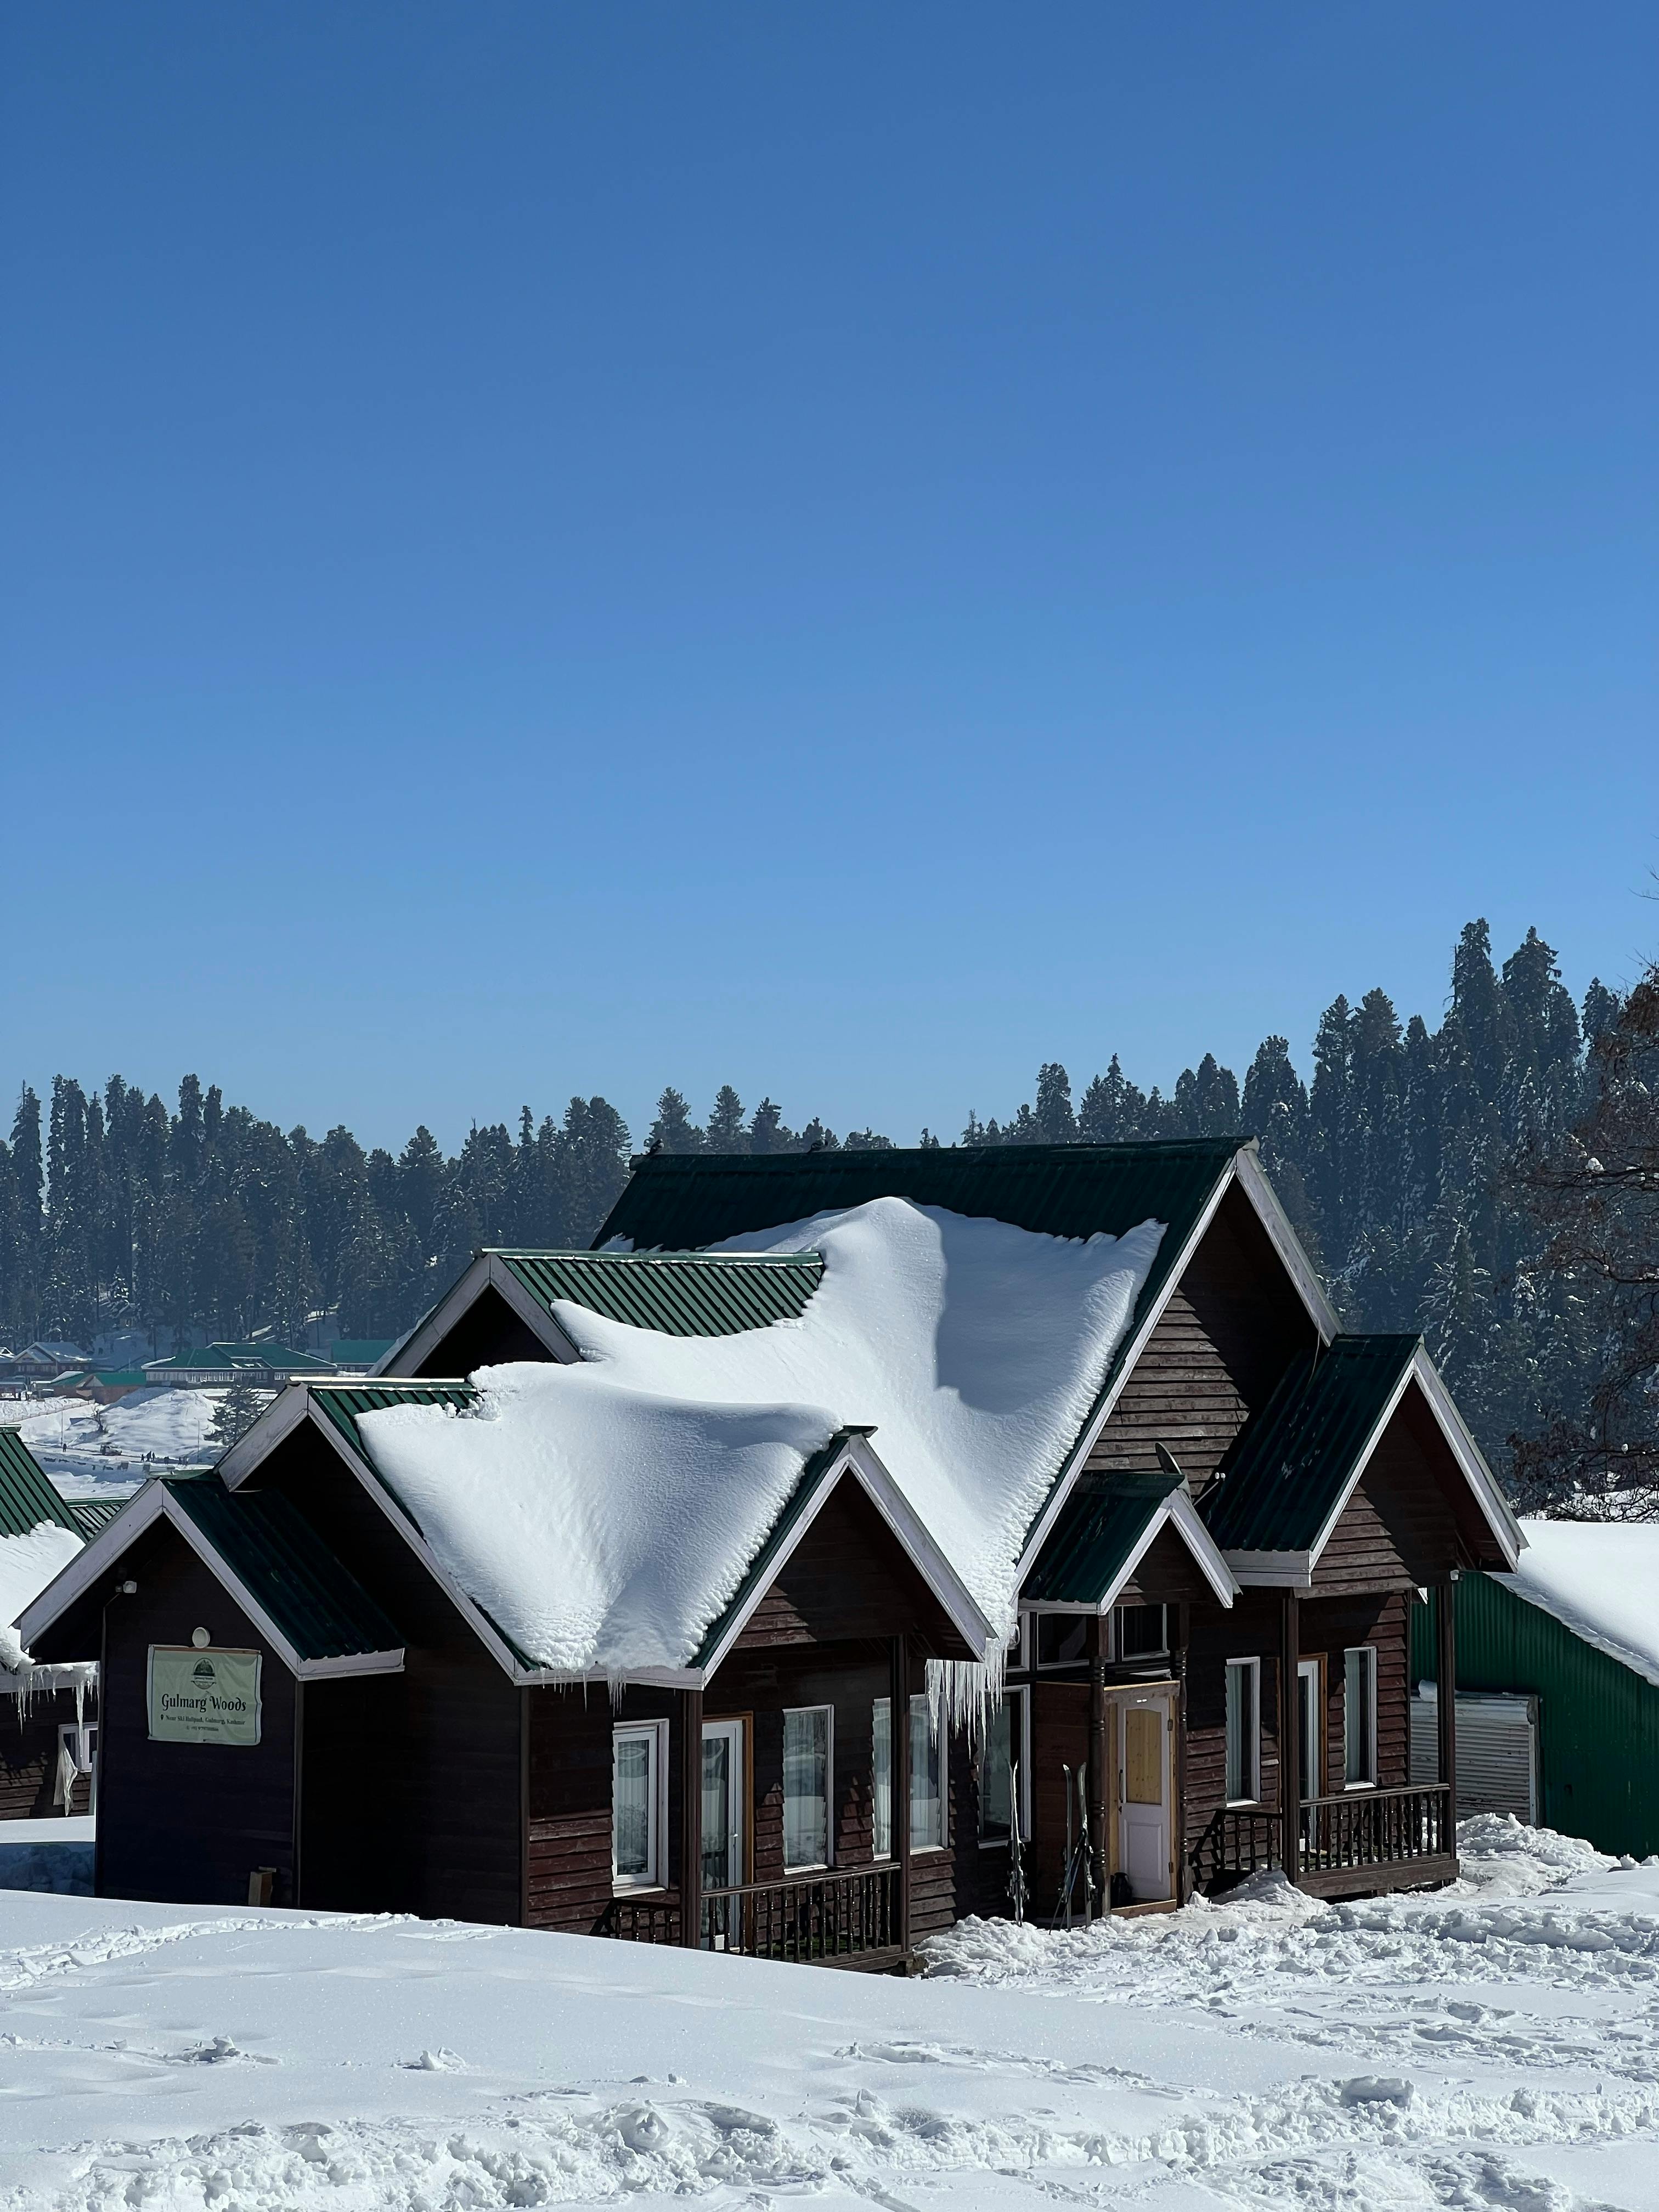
pixel 48 1714
pixel 1208 1670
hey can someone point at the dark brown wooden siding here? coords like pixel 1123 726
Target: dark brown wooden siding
pixel 28 1755
pixel 1229 1331
pixel 849 1578
pixel 488 1334
pixel 568 1874
pixel 187 1823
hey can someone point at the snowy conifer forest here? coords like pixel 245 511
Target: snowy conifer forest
pixel 1447 1175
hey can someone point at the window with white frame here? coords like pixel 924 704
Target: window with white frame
pixel 1003 1768
pixel 927 1797
pixel 808 1734
pixel 1062 1638
pixel 1359 1716
pixel 636 1809
pixel 1244 1731
pixel 1142 1632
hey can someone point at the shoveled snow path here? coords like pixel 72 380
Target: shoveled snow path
pixel 1478 2048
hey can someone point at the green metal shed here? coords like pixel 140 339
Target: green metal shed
pixel 1598 1720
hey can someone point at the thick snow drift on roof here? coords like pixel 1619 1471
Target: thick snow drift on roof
pixel 1601 1579
pixel 27 1563
pixel 604 1513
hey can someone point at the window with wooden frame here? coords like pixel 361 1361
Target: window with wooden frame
pixel 1005 1766
pixel 1062 1639
pixel 1244 1779
pixel 809 1733
pixel 1359 1716
pixel 1142 1632
pixel 638 1821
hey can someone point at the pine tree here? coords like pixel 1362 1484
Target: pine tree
pixel 1055 1122
pixel 727 1132
pixel 234 1415
pixel 673 1130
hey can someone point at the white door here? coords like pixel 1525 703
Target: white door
pixel 1144 1790
pixel 722 1821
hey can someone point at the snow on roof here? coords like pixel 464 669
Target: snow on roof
pixel 604 1513
pixel 27 1563
pixel 1598 1578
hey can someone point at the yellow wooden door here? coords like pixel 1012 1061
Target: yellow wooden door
pixel 1143 1755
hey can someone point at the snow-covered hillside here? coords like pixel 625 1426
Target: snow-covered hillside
pixel 1492 2045
pixel 148 1428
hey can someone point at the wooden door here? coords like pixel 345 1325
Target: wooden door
pixel 1145 1739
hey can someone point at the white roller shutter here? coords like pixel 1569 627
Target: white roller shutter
pixel 1497 1750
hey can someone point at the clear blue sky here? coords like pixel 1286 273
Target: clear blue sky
pixel 850 550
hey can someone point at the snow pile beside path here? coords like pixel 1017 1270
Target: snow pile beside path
pixel 1502 1857
pixel 1601 1579
pixel 604 1513
pixel 27 1563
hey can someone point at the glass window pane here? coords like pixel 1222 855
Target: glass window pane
pixel 881 1784
pixel 1358 1750
pixel 1140 1631
pixel 927 1808
pixel 1243 1783
pixel 717 1838
pixel 1062 1638
pixel 806 1788
pixel 996 1795
pixel 633 1808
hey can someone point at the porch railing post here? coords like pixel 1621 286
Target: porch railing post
pixel 1098 1760
pixel 692 1819
pixel 1445 1696
pixel 1290 1737
pixel 898 1785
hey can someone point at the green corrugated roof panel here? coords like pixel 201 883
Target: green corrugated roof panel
pixel 27 1495
pixel 1095 1535
pixel 679 1201
pixel 677 1293
pixel 93 1514
pixel 343 1402
pixel 1294 1459
pixel 279 1558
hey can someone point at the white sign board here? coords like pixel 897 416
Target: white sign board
pixel 203 1697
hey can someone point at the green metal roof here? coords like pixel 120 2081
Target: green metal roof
pixel 677 1293
pixel 253 1356
pixel 26 1494
pixel 343 1402
pixel 1295 1458
pixel 279 1559
pixel 93 1514
pixel 1093 1537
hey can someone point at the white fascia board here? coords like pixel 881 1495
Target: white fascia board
pixel 153 1504
pixel 1252 1181
pixel 1177 1510
pixel 1494 1506
pixel 279 1419
pixel 917 1541
pixel 402 1520
pixel 73 1581
pixel 1078 1455
pixel 1359 1466
pixel 487 1272
pixel 1271 1570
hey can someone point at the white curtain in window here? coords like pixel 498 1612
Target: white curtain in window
pixel 806 1787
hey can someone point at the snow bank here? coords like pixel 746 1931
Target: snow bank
pixel 1598 1578
pixel 604 1513
pixel 27 1563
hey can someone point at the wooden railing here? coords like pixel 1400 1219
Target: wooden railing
pixel 1361 1828
pixel 809 1917
pixel 1376 1827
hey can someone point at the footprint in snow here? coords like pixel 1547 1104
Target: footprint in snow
pixel 221 2051
pixel 439 2061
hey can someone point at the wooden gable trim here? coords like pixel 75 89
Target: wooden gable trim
pixel 153 1504
pixel 485 1274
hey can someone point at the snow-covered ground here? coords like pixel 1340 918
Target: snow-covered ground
pixel 65 1435
pixel 1490 2045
